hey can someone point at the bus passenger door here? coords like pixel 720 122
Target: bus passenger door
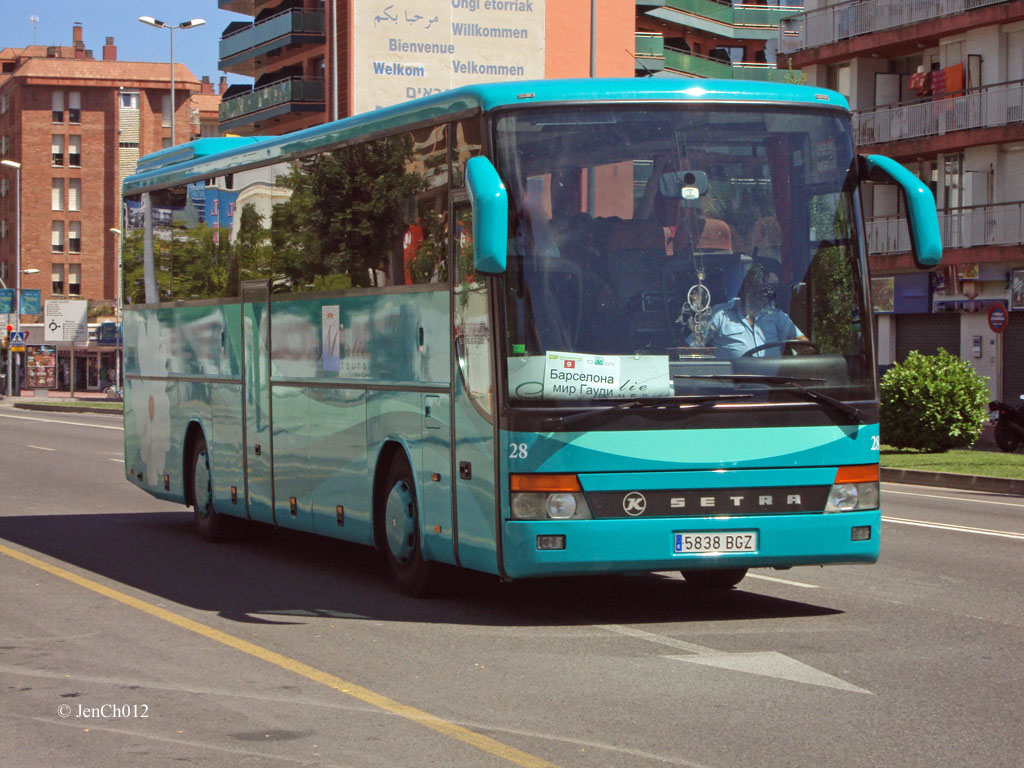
pixel 473 414
pixel 257 441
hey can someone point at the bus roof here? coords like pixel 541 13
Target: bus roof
pixel 216 156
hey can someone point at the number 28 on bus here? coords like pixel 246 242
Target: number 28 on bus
pixel 530 329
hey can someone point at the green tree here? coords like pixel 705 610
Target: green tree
pixel 932 403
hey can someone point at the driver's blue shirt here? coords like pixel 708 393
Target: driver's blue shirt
pixel 732 335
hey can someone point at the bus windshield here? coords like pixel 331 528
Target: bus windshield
pixel 682 250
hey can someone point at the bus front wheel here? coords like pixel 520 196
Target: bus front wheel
pixel 212 525
pixel 398 521
pixel 726 578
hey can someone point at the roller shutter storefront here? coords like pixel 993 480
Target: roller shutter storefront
pixel 926 333
pixel 1013 358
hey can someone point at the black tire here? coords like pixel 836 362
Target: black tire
pixel 726 578
pixel 398 531
pixel 1006 436
pixel 212 525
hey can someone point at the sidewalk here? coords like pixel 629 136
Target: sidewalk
pixel 56 400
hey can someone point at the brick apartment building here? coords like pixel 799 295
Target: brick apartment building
pixel 78 124
pixel 939 86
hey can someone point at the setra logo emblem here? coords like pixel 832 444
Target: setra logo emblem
pixel 634 503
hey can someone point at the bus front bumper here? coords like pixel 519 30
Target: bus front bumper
pixel 631 545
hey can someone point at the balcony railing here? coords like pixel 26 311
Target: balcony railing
pixel 272 32
pixel 702 66
pixel 279 94
pixel 721 16
pixel 990 106
pixel 998 224
pixel 860 17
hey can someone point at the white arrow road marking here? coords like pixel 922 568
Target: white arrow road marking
pixel 766 663
pixel 770 664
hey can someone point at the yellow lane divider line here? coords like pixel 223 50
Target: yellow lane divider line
pixel 365 695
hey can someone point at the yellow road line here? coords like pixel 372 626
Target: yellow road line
pixel 365 695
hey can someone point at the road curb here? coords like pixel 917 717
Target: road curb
pixel 952 480
pixel 66 408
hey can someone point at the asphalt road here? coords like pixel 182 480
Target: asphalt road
pixel 125 640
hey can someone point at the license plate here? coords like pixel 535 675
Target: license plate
pixel 713 543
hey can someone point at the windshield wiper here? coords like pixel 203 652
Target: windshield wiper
pixel 794 386
pixel 643 404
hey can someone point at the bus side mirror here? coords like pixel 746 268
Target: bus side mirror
pixel 490 215
pixel 922 217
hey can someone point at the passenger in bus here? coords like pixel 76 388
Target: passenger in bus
pixel 751 319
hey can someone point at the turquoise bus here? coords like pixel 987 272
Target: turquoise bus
pixel 530 329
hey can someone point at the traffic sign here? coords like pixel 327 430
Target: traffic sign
pixel 17 337
pixel 998 318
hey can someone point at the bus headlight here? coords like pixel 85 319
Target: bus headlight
pixel 550 506
pixel 547 497
pixel 854 488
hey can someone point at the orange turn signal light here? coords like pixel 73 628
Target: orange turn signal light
pixel 862 473
pixel 544 483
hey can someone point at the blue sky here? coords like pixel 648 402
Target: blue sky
pixel 196 48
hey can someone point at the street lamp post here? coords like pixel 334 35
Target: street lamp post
pixel 12 372
pixel 163 25
pixel 119 307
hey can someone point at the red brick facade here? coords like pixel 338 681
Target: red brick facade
pixel 30 78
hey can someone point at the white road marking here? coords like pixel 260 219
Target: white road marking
pixel 782 581
pixel 951 527
pixel 766 663
pixel 40 448
pixel 58 421
pixel 952 498
pixel 119 461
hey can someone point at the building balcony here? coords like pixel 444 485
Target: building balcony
pixel 650 52
pixel 990 107
pixel 288 96
pixel 694 65
pixel 734 20
pixel 247 7
pixel 242 45
pixel 1000 224
pixel 912 23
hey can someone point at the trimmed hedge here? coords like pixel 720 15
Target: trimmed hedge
pixel 932 403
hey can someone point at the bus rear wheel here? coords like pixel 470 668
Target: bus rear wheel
pixel 399 529
pixel 212 525
pixel 725 578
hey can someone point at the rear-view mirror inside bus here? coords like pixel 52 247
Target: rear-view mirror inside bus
pixel 490 215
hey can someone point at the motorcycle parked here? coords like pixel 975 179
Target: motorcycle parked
pixel 1009 423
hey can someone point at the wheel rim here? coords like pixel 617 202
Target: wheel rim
pixel 201 484
pixel 399 520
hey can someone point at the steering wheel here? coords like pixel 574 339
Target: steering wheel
pixel 772 344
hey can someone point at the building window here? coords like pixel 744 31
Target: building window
pixel 74 107
pixel 75 151
pixel 3 145
pixel 166 111
pixel 57 150
pixel 165 143
pixel 58 106
pixel 129 100
pixel 74 194
pixel 4 186
pixel 57 195
pixel 57 237
pixel 74 279
pixel 3 229
pixel 58 279
pixel 3 104
pixel 75 237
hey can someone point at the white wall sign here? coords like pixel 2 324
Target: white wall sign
pixel 66 321
pixel 405 49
